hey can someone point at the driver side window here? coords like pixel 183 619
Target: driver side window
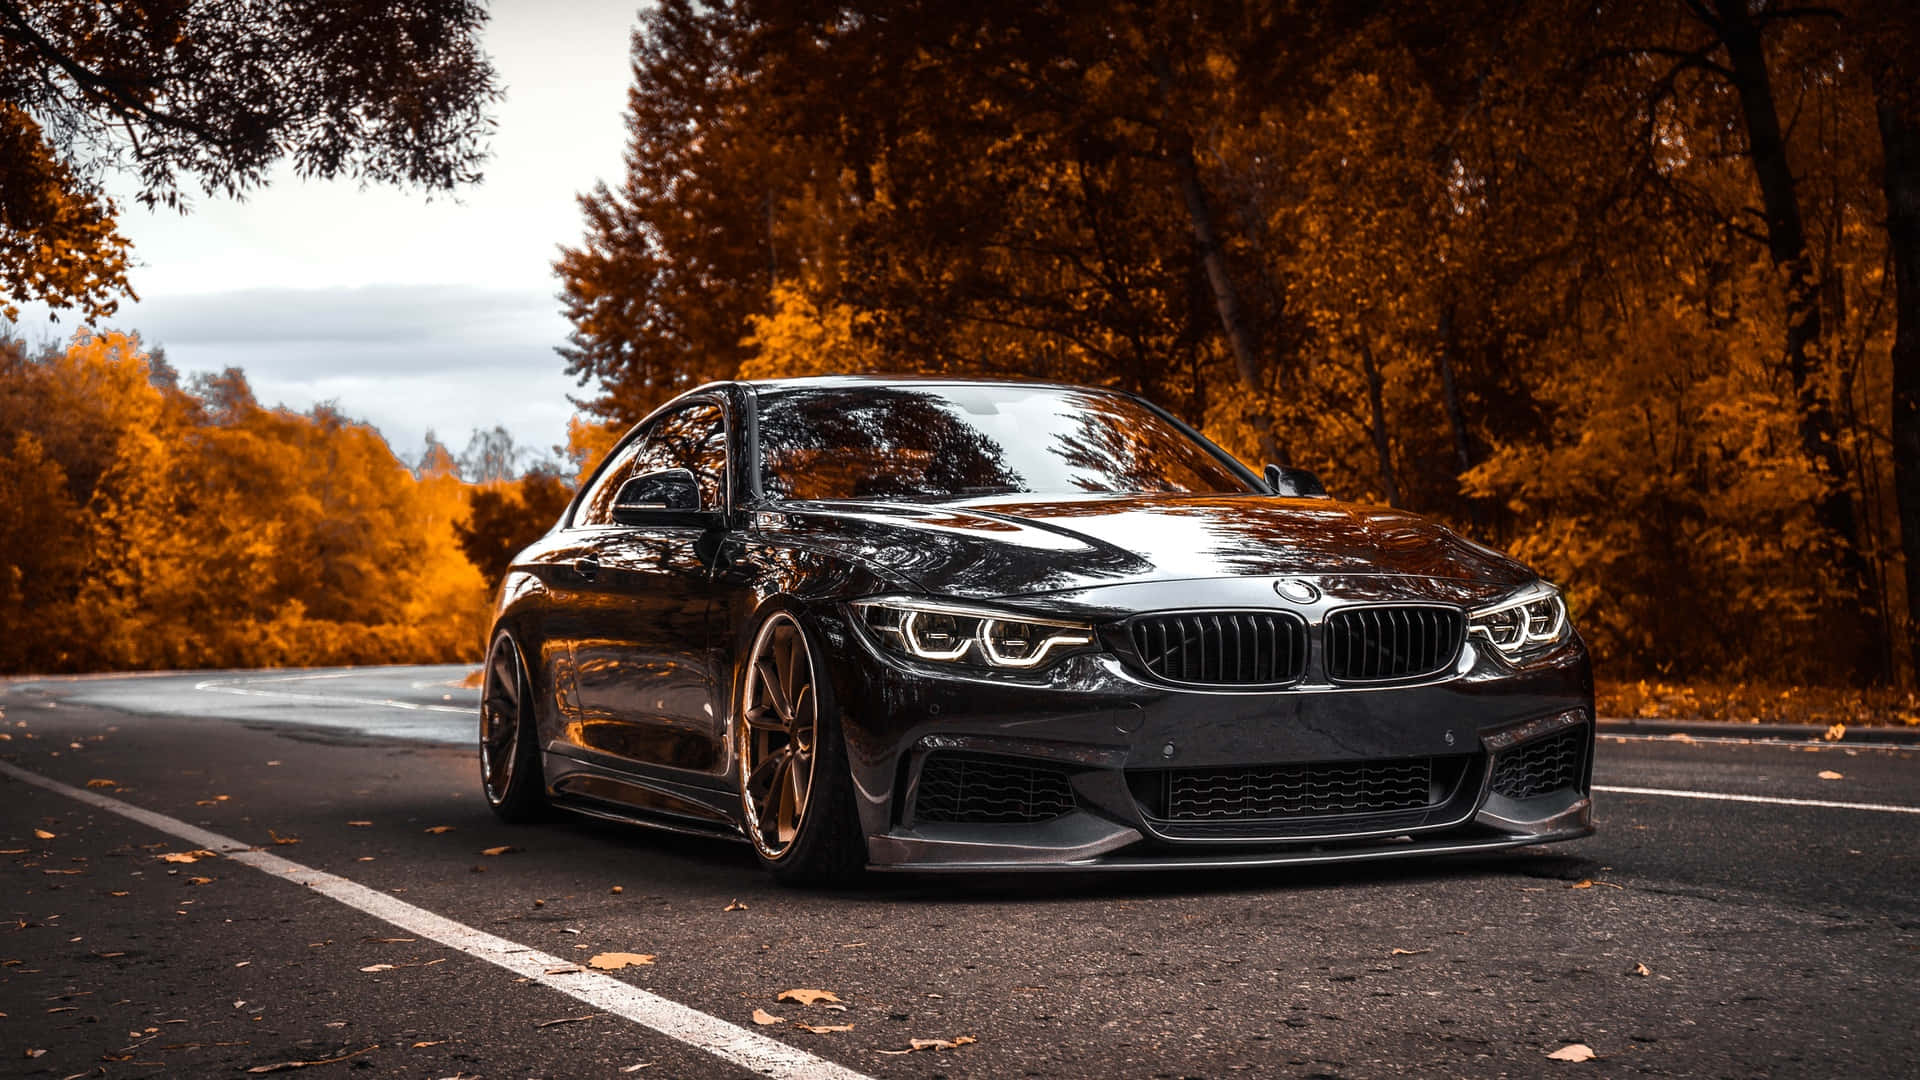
pixel 693 438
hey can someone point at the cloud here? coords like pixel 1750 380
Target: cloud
pixel 384 314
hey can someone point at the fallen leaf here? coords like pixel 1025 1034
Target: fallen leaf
pixel 98 782
pixel 1642 969
pixel 187 856
pixel 637 1068
pixel 565 1020
pixel 35 1053
pixel 807 997
pixel 735 906
pixel 424 1045
pixel 360 824
pixel 1409 952
pixel 282 841
pixel 377 967
pixel 1835 732
pixel 501 850
pixel 1829 774
pixel 763 1018
pixel 1583 883
pixel 438 829
pixel 44 835
pixel 614 961
pixel 14 851
pixel 1572 1052
pixel 118 893
pixel 933 1044
pixel 824 1029
pixel 199 881
pixel 565 969
pixel 616 890
pixel 285 1065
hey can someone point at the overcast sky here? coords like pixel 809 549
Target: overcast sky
pixel 409 314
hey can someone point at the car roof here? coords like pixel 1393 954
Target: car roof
pixel 850 381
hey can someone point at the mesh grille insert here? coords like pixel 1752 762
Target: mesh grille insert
pixel 1319 789
pixel 1377 643
pixel 974 789
pixel 1541 766
pixel 1222 648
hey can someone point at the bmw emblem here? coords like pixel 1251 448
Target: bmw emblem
pixel 1300 592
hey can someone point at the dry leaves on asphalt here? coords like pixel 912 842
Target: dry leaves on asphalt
pixel 565 969
pixel 1642 970
pixel 199 881
pixel 565 1020
pixel 1829 774
pixel 438 829
pixel 735 906
pixel 98 782
pixel 377 967
pixel 933 1044
pixel 808 997
pixel 1409 952
pixel 503 849
pixel 824 1029
pixel 763 1018
pixel 1573 1052
pixel 283 1066
pixel 424 1045
pixel 360 824
pixel 614 961
pixel 43 834
pixel 282 841
pixel 187 856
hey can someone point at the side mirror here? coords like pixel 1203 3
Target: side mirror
pixel 1295 483
pixel 667 497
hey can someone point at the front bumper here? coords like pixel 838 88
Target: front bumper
pixel 1112 736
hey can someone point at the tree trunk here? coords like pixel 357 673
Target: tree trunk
pixel 1382 446
pixel 1787 245
pixel 1240 334
pixel 1897 103
pixel 1456 416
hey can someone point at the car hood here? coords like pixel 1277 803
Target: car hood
pixel 1002 548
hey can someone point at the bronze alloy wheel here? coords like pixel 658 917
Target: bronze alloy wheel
pixel 510 772
pixel 500 719
pixel 777 740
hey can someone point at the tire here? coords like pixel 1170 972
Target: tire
pixel 796 790
pixel 511 776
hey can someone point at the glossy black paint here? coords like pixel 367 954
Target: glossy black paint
pixel 634 632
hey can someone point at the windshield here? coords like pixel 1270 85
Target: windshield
pixel 963 441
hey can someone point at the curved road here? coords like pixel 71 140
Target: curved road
pixel 357 915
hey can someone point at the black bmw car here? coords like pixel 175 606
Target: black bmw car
pixel 967 625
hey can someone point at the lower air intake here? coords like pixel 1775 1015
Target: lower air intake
pixel 1311 790
pixel 974 789
pixel 1541 766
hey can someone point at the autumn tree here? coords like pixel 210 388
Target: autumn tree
pixel 214 94
pixel 149 525
pixel 505 516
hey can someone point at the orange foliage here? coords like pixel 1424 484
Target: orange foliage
pixel 150 527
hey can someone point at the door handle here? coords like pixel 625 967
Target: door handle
pixel 587 568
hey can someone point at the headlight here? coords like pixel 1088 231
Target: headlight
pixel 1528 622
pixel 929 630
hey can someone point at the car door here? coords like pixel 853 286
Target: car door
pixel 644 684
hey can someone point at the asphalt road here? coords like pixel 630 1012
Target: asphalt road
pixel 1688 937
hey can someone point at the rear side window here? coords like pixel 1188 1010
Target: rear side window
pixel 692 438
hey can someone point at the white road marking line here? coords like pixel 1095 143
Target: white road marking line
pixel 1771 800
pixel 1760 740
pixel 216 686
pixel 749 1050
